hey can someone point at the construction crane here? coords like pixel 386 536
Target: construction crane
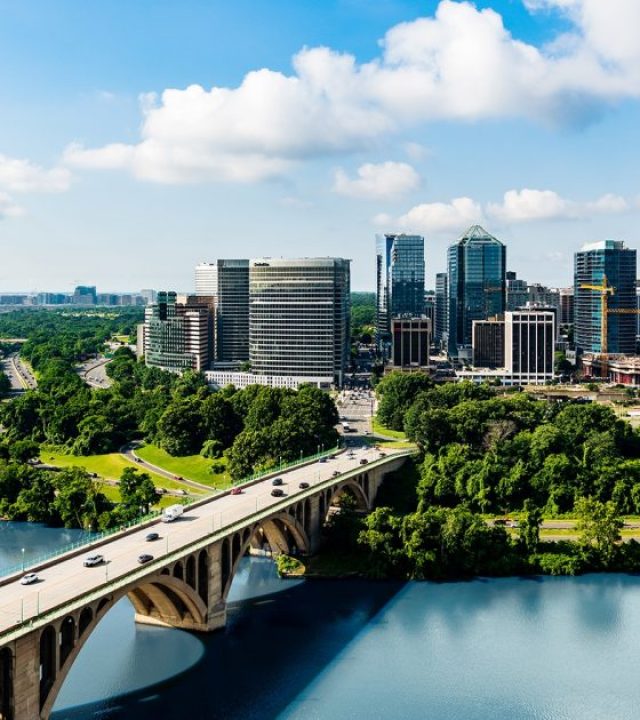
pixel 605 290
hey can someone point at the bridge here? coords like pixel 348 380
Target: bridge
pixel 44 626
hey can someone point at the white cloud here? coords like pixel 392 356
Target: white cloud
pixel 439 217
pixel 19 175
pixel 377 181
pixel 529 205
pixel 8 207
pixel 460 63
pixel 383 220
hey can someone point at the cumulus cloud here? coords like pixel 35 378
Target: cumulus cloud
pixel 529 205
pixel 377 182
pixel 517 206
pixel 23 176
pixel 460 63
pixel 8 207
pixel 439 217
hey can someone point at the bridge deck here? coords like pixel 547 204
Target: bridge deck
pixel 62 583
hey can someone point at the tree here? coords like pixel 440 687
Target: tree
pixel 137 492
pixel 599 526
pixel 396 392
pixel 78 501
pixel 180 427
pixel 5 384
pixel 530 526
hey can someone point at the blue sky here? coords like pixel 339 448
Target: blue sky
pixel 139 138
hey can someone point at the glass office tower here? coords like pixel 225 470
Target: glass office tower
pixel 476 278
pixel 400 280
pixel 612 259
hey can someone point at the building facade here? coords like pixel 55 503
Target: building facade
pixel 400 274
pixel 177 335
pixel 411 341
pixel 530 337
pixel 608 259
pixel 226 281
pixel 488 343
pixel 440 327
pixel 476 267
pixel 299 317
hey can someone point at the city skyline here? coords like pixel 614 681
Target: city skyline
pixel 367 125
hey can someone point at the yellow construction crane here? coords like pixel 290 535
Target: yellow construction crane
pixel 605 290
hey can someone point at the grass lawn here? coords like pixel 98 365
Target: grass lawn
pixel 191 467
pixel 109 466
pixel 382 430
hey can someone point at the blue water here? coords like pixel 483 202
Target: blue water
pixel 518 649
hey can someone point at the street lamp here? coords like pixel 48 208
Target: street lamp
pixel 22 559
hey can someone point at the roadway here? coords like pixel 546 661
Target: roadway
pixel 66 580
pixel 129 452
pixel 356 407
pixel 20 376
pixel 94 373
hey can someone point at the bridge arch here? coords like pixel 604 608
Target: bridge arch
pixel 352 487
pixel 281 533
pixel 162 599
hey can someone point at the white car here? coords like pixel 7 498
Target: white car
pixel 92 560
pixel 29 579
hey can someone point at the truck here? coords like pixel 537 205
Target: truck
pixel 172 512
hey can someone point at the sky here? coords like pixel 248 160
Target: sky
pixel 140 138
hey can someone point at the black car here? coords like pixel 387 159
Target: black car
pixel 144 558
pixel 276 481
pixel 277 492
pixel 303 485
pixel 150 537
pixel 364 461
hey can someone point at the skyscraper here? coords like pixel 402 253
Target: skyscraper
pixel 476 281
pixel 610 259
pixel 400 280
pixel 300 317
pixel 442 308
pixel 226 281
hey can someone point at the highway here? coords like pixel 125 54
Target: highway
pixel 66 580
pixel 94 373
pixel 18 373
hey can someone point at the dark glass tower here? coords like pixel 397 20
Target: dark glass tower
pixel 400 280
pixel 476 278
pixel 612 259
pixel 442 308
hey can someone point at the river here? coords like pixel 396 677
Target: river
pixel 518 649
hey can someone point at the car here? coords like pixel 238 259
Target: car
pixel 29 579
pixel 364 461
pixel 367 432
pixel 335 473
pixel 322 460
pixel 150 537
pixel 277 492
pixel 144 558
pixel 236 491
pixel 137 459
pixel 277 481
pixel 92 560
pixel 303 485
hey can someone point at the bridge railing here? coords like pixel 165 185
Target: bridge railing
pixel 92 538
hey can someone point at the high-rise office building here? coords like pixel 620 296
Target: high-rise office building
pixel 442 308
pixel 206 279
pixel 529 345
pixel 226 284
pixel 566 306
pixel 517 292
pixel 488 343
pixel 148 295
pixel 411 341
pixel 177 335
pixel 85 295
pixel 610 259
pixel 476 280
pixel 299 317
pixel 400 280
